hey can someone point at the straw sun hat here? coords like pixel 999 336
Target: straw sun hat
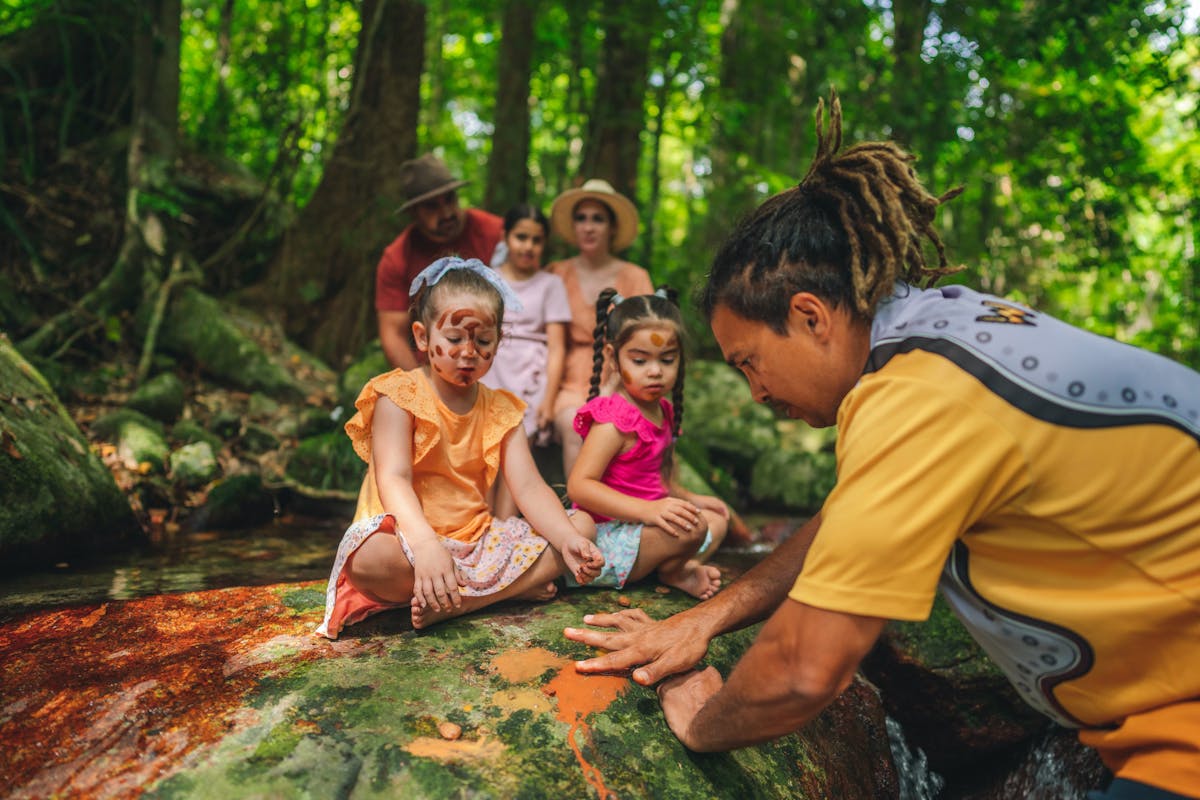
pixel 563 211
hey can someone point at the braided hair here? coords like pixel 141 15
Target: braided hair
pixel 617 322
pixel 853 226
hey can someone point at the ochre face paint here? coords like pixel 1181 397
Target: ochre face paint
pixel 462 337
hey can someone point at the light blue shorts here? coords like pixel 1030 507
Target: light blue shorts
pixel 620 542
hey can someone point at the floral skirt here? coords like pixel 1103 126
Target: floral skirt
pixel 487 565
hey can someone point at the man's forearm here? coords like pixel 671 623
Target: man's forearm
pixel 755 595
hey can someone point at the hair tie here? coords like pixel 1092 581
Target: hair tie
pixel 617 299
pixel 662 292
pixel 438 269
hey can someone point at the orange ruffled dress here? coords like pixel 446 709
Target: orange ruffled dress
pixel 455 461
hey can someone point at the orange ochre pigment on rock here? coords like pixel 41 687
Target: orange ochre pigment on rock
pixel 101 701
pixel 577 695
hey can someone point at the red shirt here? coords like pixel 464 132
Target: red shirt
pixel 412 252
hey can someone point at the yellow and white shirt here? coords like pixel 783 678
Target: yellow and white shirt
pixel 1049 480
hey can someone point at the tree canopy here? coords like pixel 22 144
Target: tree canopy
pixel 1072 127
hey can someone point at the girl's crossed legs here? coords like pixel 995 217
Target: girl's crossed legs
pixel 380 570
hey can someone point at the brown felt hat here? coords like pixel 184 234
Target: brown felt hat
pixel 626 215
pixel 424 178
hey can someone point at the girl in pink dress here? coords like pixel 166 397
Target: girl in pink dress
pixel 624 476
pixel 435 440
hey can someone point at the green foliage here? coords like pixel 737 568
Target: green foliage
pixel 273 75
pixel 327 461
pixel 1072 127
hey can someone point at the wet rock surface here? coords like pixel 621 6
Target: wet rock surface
pixel 227 693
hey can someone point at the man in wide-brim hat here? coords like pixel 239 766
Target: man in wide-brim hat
pixel 439 227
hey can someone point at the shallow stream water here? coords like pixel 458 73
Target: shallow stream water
pixel 292 548
pixel 287 550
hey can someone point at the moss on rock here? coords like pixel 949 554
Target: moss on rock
pixel 57 499
pixel 198 327
pixel 139 439
pixel 160 398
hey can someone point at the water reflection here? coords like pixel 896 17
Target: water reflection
pixel 289 549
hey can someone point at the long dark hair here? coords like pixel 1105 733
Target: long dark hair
pixel 525 211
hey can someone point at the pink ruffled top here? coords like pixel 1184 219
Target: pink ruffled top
pixel 637 472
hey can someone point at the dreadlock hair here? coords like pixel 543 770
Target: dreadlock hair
pixel 851 229
pixel 617 322
pixel 424 304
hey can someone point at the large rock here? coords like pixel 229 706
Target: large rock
pixel 227 344
pixel 951 699
pixel 57 499
pixel 227 693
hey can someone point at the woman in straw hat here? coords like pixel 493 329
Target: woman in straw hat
pixel 600 222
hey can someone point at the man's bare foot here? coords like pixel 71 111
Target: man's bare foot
pixel 424 616
pixel 698 580
pixel 547 591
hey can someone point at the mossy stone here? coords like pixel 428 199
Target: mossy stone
pixel 139 439
pixel 327 461
pixel 159 398
pixel 194 464
pixel 188 431
pixel 57 500
pixel 257 439
pixel 237 501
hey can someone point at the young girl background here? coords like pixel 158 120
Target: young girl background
pixel 434 441
pixel 530 364
pixel 624 475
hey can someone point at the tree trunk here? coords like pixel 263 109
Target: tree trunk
pixel 323 279
pixel 618 114
pixel 508 167
pixel 910 19
pixel 146 247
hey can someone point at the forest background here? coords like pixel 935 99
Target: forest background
pixel 1073 128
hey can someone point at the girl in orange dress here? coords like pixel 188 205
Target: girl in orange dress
pixel 435 440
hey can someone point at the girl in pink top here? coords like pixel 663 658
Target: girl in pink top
pixel 624 476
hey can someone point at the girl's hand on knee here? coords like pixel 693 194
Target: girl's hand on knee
pixel 583 559
pixel 435 580
pixel 674 515
pixel 707 502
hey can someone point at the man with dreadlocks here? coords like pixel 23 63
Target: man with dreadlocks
pixel 1046 478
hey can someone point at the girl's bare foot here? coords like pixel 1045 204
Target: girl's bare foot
pixel 546 591
pixel 698 580
pixel 424 616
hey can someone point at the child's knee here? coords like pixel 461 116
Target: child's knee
pixel 693 537
pixel 718 526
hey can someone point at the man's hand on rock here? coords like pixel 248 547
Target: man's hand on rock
pixel 657 649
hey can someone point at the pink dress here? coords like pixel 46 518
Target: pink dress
pixel 638 471
pixel 520 365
